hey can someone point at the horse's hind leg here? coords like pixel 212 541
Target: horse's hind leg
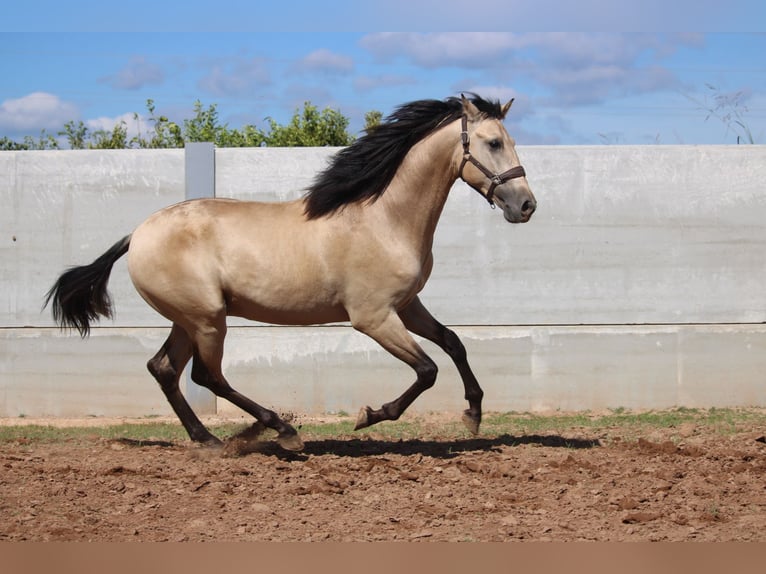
pixel 419 321
pixel 166 366
pixel 206 371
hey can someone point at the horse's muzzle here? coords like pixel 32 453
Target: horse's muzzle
pixel 517 211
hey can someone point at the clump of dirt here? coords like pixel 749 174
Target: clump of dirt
pixel 249 440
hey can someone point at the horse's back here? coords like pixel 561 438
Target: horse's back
pixel 203 227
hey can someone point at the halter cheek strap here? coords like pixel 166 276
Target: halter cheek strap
pixel 494 178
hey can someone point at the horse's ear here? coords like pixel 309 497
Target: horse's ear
pixel 506 107
pixel 469 109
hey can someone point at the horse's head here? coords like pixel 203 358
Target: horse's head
pixel 490 165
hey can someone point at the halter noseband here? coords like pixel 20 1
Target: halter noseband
pixel 495 178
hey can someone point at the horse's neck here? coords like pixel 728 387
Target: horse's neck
pixel 416 195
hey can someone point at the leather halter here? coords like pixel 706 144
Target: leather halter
pixel 495 178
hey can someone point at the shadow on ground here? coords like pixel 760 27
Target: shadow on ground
pixel 356 447
pixel 437 448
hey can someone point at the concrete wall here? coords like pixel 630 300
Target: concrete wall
pixel 638 283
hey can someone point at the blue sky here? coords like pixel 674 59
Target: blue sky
pixel 610 72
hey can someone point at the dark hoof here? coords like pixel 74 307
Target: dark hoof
pixel 363 419
pixel 471 422
pixel 290 441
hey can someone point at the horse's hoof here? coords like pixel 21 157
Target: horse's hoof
pixel 471 423
pixel 292 442
pixel 363 419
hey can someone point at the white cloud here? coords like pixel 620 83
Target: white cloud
pixel 483 50
pixel 236 77
pixel 136 74
pixel 462 49
pixel 135 124
pixel 325 62
pixel 34 112
pixel 570 68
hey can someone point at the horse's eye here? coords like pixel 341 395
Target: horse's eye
pixel 495 144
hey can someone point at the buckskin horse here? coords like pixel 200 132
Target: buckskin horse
pixel 356 247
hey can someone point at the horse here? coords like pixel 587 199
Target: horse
pixel 356 247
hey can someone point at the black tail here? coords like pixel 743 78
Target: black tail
pixel 80 296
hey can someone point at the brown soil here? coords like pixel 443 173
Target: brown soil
pixel 575 485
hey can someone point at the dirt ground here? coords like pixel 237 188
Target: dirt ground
pixel 684 484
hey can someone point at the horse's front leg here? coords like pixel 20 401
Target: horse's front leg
pixel 418 320
pixel 392 335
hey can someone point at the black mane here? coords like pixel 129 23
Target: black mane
pixel 363 170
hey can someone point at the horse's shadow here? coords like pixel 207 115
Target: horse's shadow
pixel 441 449
pixel 363 447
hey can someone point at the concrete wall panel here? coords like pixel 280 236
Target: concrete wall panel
pixel 64 208
pixel 331 369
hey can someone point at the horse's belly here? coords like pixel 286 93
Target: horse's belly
pixel 285 314
pixel 272 297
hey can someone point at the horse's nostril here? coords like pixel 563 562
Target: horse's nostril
pixel 528 207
